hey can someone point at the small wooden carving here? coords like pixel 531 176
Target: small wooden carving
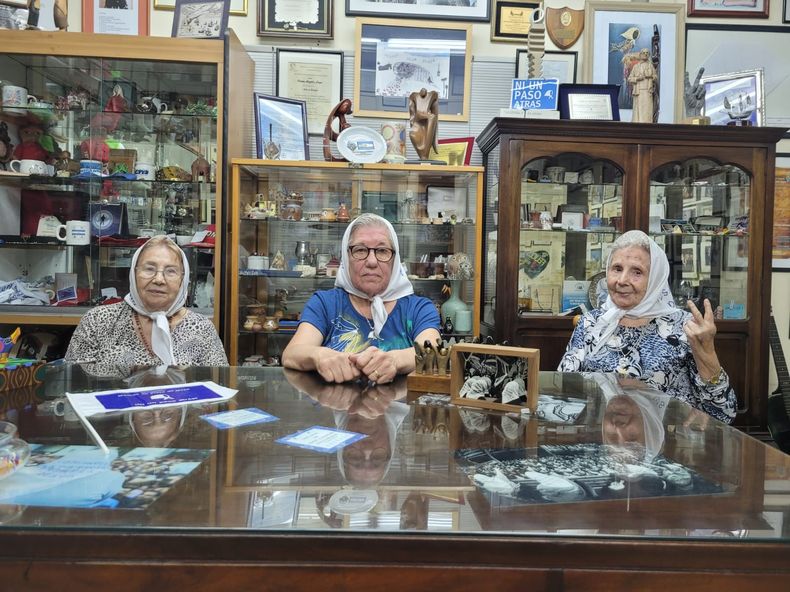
pixel 424 120
pixel 339 112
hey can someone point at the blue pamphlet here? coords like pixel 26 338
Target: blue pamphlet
pixel 165 395
pixel 321 439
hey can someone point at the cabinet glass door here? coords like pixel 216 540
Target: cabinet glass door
pixel 571 209
pixel 699 213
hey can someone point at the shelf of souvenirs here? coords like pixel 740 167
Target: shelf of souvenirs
pixel 35 113
pixel 275 274
pixel 94 184
pixel 16 242
pixel 314 222
pixel 20 314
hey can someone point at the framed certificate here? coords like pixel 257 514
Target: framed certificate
pixel 511 20
pixel 295 18
pixel 589 101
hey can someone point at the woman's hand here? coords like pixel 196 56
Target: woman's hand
pixel 334 366
pixel 700 330
pixel 378 365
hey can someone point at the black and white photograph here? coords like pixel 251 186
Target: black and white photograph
pixel 200 19
pixel 460 10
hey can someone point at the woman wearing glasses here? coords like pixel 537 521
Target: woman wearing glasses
pixel 366 325
pixel 151 326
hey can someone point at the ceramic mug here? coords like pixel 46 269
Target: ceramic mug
pixel 75 232
pixel 14 99
pixel 151 105
pixel 257 262
pixel 145 171
pixel 556 174
pixel 90 167
pixel 29 167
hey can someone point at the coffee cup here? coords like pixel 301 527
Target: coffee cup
pixel 151 105
pixel 90 168
pixel 15 99
pixel 75 232
pixel 463 321
pixel 29 167
pixel 257 262
pixel 145 171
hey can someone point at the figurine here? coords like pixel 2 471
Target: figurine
pixel 95 148
pixel 419 358
pixel 6 147
pixel 60 13
pixel 694 95
pixel 201 168
pixel 424 120
pixel 448 327
pixel 7 343
pixel 270 149
pixel 32 146
pixel 339 112
pixel 443 359
pixel 430 357
pixel 643 79
pixel 278 262
pixel 342 213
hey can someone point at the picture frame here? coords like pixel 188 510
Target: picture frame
pixel 122 17
pixel 237 7
pixel 728 9
pixel 201 19
pixel 522 360
pixel 396 57
pixel 588 101
pixel 476 11
pixel 780 248
pixel 284 120
pixel 511 20
pixel 736 253
pixel 310 19
pixel 315 77
pixel 454 151
pixel 561 65
pixel 742 91
pixel 705 255
pixel 607 23
pixel 758 46
pixel 689 260
pixel 446 200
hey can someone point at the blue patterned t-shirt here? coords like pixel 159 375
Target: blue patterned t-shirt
pixel 344 329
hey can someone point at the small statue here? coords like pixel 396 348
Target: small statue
pixel 278 262
pixel 643 79
pixel 201 168
pixel 424 120
pixel 430 358
pixel 448 327
pixel 694 95
pixel 339 112
pixel 31 147
pixel 60 13
pixel 443 359
pixel 419 358
pixel 270 149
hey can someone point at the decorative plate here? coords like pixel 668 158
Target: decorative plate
pixel 597 291
pixel 361 144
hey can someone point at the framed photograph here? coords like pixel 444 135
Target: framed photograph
pixel 494 376
pixel 397 57
pixel 781 241
pixel 472 10
pixel 511 20
pixel 454 151
pixel 315 77
pixel 447 201
pixel 705 255
pixel 556 64
pixel 203 19
pixel 280 128
pixel 728 8
pixel 237 7
pixel 688 256
pixel 734 98
pixel 311 19
pixel 588 101
pixel 736 252
pixel 121 17
pixel 759 47
pixel 615 33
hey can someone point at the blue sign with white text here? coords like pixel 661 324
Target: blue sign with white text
pixel 534 93
pixel 165 395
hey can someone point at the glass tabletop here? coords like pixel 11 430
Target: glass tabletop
pixel 600 458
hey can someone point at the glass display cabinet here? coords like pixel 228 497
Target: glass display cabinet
pixel 288 220
pixel 106 141
pixel 559 193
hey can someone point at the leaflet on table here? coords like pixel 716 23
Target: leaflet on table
pixel 321 439
pixel 238 417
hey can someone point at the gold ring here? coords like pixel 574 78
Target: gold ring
pixel 375 372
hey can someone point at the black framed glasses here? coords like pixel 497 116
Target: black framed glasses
pixel 361 252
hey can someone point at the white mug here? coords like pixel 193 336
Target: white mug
pixel 49 226
pixel 145 171
pixel 14 99
pixel 75 232
pixel 257 262
pixel 29 167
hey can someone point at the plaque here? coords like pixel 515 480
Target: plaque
pixel 564 26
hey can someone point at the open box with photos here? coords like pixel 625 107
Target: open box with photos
pixel 494 377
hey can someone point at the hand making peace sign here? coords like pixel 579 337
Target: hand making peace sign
pixel 700 329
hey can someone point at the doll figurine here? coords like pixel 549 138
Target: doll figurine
pixel 31 147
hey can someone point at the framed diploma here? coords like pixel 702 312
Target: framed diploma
pixel 315 77
pixel 280 128
pixel 511 20
pixel 556 64
pixel 589 101
pixel 446 11
pixel 394 58
pixel 295 18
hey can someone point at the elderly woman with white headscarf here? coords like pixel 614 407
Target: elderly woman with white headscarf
pixel 151 327
pixel 640 333
pixel 366 325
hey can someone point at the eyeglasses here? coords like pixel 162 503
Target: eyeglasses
pixel 149 271
pixel 361 252
pixel 357 458
pixel 148 418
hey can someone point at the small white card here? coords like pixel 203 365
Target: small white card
pixel 109 292
pixel 238 417
pixel 321 439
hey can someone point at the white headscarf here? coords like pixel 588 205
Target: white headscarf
pixel 161 340
pixel 398 287
pixel 656 302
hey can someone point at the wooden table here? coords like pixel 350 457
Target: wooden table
pixel 260 515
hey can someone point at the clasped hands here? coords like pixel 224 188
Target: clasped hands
pixel 373 364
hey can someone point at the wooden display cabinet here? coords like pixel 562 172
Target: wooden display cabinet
pixel 558 193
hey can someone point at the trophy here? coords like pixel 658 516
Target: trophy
pixel 739 108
